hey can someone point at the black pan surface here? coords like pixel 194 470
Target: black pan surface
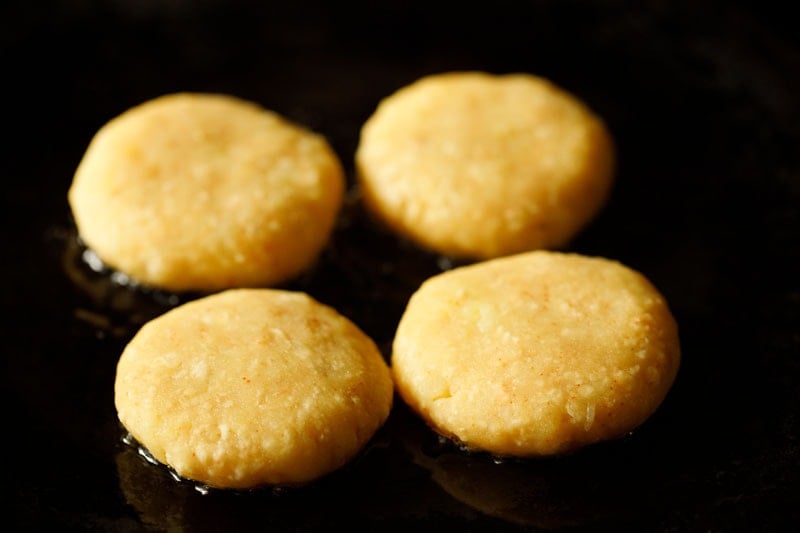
pixel 702 98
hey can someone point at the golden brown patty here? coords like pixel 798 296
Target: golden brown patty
pixel 477 165
pixel 535 354
pixel 206 192
pixel 252 387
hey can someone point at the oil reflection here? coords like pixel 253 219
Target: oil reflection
pixel 582 490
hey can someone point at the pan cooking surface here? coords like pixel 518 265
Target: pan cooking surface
pixel 702 101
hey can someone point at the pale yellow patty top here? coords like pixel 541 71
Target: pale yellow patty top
pixel 477 165
pixel 536 354
pixel 205 192
pixel 252 387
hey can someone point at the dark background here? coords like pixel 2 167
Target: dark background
pixel 702 98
